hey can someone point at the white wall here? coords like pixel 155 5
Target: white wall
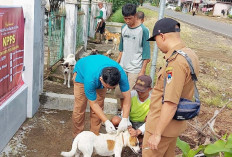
pixel 92 20
pixel 25 102
pixel 218 8
pixel 13 113
pixel 33 50
pixel 85 8
pixel 70 29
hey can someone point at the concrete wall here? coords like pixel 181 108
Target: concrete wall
pixel 13 113
pixel 70 28
pixel 92 20
pixel 25 102
pixel 114 27
pixel 33 48
pixel 218 8
pixel 85 8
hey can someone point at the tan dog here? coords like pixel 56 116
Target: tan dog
pixel 115 37
pixel 116 42
pixel 88 143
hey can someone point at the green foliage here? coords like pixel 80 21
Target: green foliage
pixel 209 13
pixel 223 145
pixel 147 12
pixel 155 3
pixel 230 16
pixel 117 16
pixel 117 4
pixel 178 9
pixel 185 148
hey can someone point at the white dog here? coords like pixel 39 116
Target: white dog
pixel 68 65
pixel 104 144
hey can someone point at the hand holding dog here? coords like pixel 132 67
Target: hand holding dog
pixel 123 125
pixel 110 127
pixel 133 132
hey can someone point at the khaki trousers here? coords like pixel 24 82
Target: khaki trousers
pixel 78 117
pixel 166 147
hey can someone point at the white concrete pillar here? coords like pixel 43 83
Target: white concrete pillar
pixel 179 3
pixel 104 5
pixel 42 28
pixel 92 20
pixel 70 27
pixel 33 45
pixel 25 102
pixel 109 9
pixel 85 8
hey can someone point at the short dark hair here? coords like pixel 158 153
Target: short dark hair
pixel 140 15
pixel 111 76
pixel 129 10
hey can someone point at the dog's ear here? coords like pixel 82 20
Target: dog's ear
pixel 65 64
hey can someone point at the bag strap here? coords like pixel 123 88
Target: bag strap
pixel 193 74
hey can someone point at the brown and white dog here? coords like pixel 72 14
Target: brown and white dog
pixel 94 52
pixel 115 37
pixel 88 143
pixel 68 66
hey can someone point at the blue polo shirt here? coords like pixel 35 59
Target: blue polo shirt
pixel 89 70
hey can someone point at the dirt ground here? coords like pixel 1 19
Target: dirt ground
pixel 49 131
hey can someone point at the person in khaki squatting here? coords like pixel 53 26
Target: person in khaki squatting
pixel 92 76
pixel 161 129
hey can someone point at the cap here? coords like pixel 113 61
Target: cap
pixel 165 25
pixel 143 82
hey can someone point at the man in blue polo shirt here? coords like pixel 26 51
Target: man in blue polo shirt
pixel 92 76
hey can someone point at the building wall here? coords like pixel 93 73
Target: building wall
pixel 25 102
pixel 218 8
pixel 13 113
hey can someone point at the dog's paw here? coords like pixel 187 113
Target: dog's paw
pixel 68 86
pixel 64 83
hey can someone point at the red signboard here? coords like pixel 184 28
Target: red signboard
pixel 11 51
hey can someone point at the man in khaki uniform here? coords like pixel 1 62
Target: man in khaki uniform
pixel 161 130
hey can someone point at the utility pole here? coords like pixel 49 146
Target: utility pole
pixel 155 51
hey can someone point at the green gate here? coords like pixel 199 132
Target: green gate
pixel 79 32
pixel 55 38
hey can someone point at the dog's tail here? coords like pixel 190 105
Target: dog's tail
pixel 73 150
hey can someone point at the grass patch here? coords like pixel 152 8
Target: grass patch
pixel 118 17
pixel 214 101
pixel 148 13
pixel 224 47
pixel 211 86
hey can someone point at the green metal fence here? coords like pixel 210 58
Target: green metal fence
pixel 79 34
pixel 56 27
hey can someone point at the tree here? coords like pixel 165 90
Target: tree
pixel 55 4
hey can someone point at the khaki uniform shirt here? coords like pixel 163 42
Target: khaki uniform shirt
pixel 179 85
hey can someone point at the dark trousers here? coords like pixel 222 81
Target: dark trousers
pixel 101 27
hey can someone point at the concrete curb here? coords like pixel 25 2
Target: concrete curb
pixel 65 102
pixel 114 27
